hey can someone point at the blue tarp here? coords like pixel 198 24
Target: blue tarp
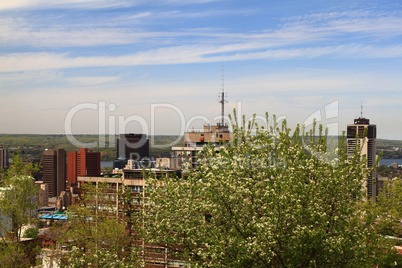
pixel 55 217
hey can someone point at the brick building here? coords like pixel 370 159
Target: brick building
pixel 82 163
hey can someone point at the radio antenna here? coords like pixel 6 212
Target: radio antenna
pixel 223 101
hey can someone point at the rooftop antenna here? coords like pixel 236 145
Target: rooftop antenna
pixel 361 110
pixel 223 101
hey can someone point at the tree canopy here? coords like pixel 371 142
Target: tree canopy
pixel 270 198
pixel 97 236
pixel 19 194
pixel 18 204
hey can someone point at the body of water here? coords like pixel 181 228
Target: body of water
pixel 106 164
pixel 388 162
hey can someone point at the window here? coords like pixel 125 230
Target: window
pixel 136 188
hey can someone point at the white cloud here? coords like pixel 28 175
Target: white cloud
pixel 93 4
pixel 188 54
pixel 92 80
pixel 328 27
pixel 28 77
pixel 22 32
pixel 18 32
pixel 46 4
pixel 34 87
pixel 351 21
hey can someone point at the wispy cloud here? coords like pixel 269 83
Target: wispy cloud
pixel 29 77
pixel 369 22
pixel 330 28
pixel 188 54
pixel 22 32
pixel 90 4
pixel 47 4
pixel 92 80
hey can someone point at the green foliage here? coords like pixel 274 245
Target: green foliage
pixel 389 171
pixel 163 141
pixel 14 255
pixel 18 168
pixel 31 233
pixel 386 213
pixel 389 148
pixel 34 145
pixel 107 170
pixel 100 258
pixel 97 235
pixel 385 219
pixel 19 197
pixel 18 202
pixel 273 199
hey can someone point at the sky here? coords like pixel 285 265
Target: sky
pixel 158 66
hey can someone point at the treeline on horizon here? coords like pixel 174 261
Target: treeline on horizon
pixel 33 145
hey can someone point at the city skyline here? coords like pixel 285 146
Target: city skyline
pixel 288 58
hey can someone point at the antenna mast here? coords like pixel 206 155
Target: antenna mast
pixel 361 111
pixel 222 101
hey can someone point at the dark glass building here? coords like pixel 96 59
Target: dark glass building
pixel 54 171
pixel 132 146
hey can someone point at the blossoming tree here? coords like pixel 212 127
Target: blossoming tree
pixel 270 198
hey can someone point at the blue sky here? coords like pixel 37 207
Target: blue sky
pixel 162 61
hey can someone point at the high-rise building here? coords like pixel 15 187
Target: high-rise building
pixel 133 146
pixel 4 158
pixel 367 145
pixel 54 171
pixel 82 163
pixel 195 140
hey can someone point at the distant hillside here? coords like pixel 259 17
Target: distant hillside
pixel 392 149
pixel 33 145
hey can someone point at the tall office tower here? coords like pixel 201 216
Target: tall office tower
pixel 54 171
pixel 368 147
pixel 195 140
pixel 82 163
pixel 132 146
pixel 4 158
